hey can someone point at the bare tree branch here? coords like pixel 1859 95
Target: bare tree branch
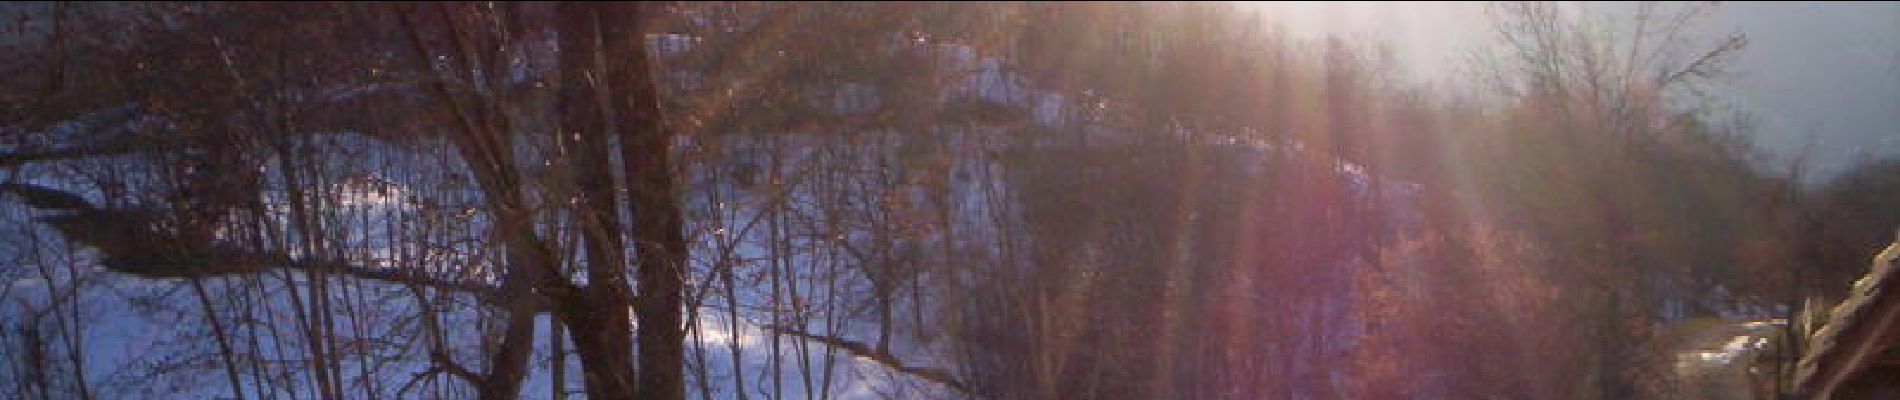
pixel 885 358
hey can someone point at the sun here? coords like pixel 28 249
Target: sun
pixel 1432 37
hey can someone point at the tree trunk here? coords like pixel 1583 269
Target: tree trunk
pixel 658 231
pixel 505 373
pixel 600 326
pixel 601 338
pixel 530 265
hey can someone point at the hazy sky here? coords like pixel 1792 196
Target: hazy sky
pixel 1820 78
pixel 1823 78
pixel 1825 75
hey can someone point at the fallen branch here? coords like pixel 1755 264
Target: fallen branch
pixel 132 243
pixel 884 358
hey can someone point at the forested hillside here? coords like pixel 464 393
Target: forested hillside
pixel 751 200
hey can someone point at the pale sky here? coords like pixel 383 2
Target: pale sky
pixel 1823 78
pixel 1820 78
pixel 1825 75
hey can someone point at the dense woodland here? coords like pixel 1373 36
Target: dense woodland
pixel 740 200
